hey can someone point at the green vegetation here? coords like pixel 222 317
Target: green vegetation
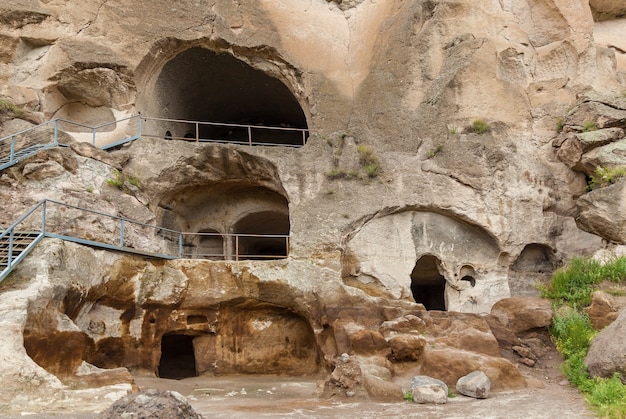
pixel 432 153
pixel 119 181
pixel 559 125
pixel 570 289
pixel 8 110
pixel 480 126
pixel 336 174
pixel 408 395
pixel 368 161
pixel 451 395
pixel 605 176
pixel 453 131
pixel 89 189
pixel 589 126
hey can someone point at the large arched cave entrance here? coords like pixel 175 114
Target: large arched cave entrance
pixel 202 85
pixel 427 284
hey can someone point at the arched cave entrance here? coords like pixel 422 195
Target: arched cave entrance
pixel 268 224
pixel 535 258
pixel 202 85
pixel 209 244
pixel 427 284
pixel 177 357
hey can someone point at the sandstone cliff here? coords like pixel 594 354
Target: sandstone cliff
pixel 445 163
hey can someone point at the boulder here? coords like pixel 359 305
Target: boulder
pixel 604 309
pixel 603 212
pixel 382 390
pixel 460 330
pixel 449 365
pixel 406 347
pixel 346 378
pixel 151 404
pixel 475 384
pixel 521 314
pixel 426 389
pixel 607 352
pixel 43 170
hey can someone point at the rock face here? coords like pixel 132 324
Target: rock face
pixel 425 182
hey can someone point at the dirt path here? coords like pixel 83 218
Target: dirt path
pixel 280 397
pixel 294 397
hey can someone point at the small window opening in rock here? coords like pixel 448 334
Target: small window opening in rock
pixel 178 360
pixel 427 284
pixel 469 279
pixel 194 319
pixel 253 231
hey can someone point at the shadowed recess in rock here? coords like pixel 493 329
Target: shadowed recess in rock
pixel 201 85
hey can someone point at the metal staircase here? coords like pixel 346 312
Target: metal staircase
pixel 12 246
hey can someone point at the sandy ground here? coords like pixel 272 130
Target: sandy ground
pixel 294 397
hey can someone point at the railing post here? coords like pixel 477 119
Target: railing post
pixel 237 247
pixel 287 246
pixel 303 137
pixel 121 232
pixel 180 245
pixel 197 132
pixel 10 255
pixel 56 132
pixel 93 136
pixel 43 217
pixel 12 154
pixel 249 135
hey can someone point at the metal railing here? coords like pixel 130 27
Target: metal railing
pixel 218 132
pixel 63 221
pixel 26 143
pixel 32 221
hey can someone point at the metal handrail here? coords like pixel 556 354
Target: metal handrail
pixel 14 153
pixel 120 236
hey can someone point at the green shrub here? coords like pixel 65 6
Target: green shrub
pixel 576 282
pixel 589 126
pixel 559 125
pixel 605 176
pixel 368 161
pixel 8 109
pixel 480 126
pixel 336 174
pixel 119 179
pixel 408 395
pixel 432 153
pixel 572 331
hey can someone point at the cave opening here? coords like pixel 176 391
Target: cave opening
pixel 209 244
pixel 202 85
pixel 427 284
pixel 262 235
pixel 178 359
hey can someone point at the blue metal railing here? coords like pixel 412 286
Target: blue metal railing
pixel 59 220
pixel 26 143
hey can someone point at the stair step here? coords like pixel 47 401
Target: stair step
pixel 6 155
